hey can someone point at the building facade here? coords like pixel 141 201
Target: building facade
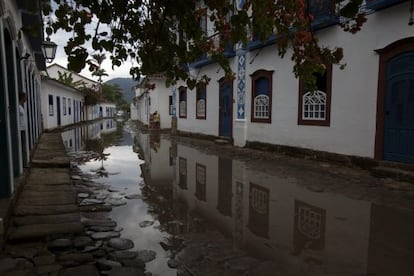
pixel 152 95
pixel 101 109
pixel 362 110
pixel 62 105
pixel 21 62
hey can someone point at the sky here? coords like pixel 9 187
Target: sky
pixel 61 37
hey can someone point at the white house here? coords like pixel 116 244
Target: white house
pixel 152 95
pixel 362 110
pixel 55 70
pixel 100 110
pixel 62 105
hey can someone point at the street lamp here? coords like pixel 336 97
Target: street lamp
pixel 49 50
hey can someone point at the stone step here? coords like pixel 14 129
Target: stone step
pixel 47 219
pixel 40 231
pixel 47 198
pixel 48 176
pixel 26 210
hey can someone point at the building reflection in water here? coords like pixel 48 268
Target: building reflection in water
pixel 75 139
pixel 273 217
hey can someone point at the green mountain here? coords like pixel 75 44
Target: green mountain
pixel 126 84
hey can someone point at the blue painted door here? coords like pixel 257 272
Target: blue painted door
pixel 226 109
pixel 399 110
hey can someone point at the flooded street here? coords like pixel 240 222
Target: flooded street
pixel 215 210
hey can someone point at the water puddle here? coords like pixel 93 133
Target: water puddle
pixel 207 213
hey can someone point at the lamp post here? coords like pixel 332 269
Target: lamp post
pixel 49 50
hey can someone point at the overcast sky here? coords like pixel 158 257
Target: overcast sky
pixel 61 38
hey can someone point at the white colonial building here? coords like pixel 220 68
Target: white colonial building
pixel 363 110
pixel 62 104
pixel 21 61
pixel 152 95
pixel 99 110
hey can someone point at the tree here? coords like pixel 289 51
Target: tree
pixel 113 93
pixel 95 66
pixel 67 79
pixel 165 36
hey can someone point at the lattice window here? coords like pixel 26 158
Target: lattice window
pixel 259 200
pixel 314 106
pixel 261 107
pixel 183 109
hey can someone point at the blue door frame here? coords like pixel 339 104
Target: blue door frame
pixel 399 109
pixel 226 108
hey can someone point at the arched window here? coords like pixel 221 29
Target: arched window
pixel 315 106
pixel 261 96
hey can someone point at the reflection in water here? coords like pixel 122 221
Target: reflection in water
pixel 259 210
pixel 225 193
pixel 234 217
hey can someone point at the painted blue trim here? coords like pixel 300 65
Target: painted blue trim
pixel 256 44
pixel 319 23
pixel 381 4
pixel 201 62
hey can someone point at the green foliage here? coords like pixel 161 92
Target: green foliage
pixel 95 66
pixel 165 36
pixel 67 79
pixel 113 93
pixel 91 96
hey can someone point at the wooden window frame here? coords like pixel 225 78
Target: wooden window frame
pixel 302 92
pixel 180 90
pixel 255 76
pixel 198 91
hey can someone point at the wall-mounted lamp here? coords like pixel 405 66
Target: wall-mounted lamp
pixel 49 50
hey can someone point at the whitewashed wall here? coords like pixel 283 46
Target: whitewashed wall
pixel 354 89
pixel 54 69
pixel 56 89
pixel 353 100
pixel 210 126
pixel 108 109
pixel 160 102
pixel 156 99
pixel 140 108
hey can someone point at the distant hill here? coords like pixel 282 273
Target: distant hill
pixel 126 85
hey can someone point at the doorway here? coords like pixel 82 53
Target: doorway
pixel 226 108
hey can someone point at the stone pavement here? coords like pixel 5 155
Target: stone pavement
pixel 48 234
